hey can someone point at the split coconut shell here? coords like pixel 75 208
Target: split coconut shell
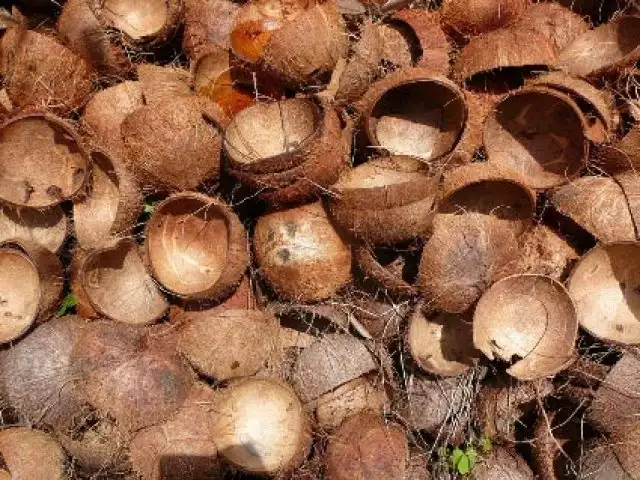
pixel 622 154
pixel 502 464
pixel 197 247
pixel 540 133
pixel 604 286
pixel 161 82
pixel 466 18
pixel 629 181
pixel 556 22
pixel 387 269
pixel 378 319
pixel 207 24
pixel 42 160
pixel 545 252
pixel 32 454
pixel 48 227
pixel 529 320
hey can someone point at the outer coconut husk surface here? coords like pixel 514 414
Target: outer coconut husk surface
pixel 162 82
pixel 389 278
pixel 48 227
pixel 32 454
pixel 558 23
pixel 502 464
pixel 207 24
pixel 545 252
pixel 470 18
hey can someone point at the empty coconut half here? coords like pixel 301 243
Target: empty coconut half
pixel 46 227
pixel 529 320
pixel 468 18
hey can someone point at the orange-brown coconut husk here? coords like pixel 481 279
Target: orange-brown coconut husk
pixel 529 320
pixel 35 297
pixel 174 144
pixel 467 18
pixel 597 204
pixel 161 82
pixel 629 181
pixel 389 278
pixel 117 285
pixel 502 464
pixel 545 252
pixel 600 461
pixel 301 255
pixel 540 133
pixel 314 319
pixel 365 448
pixel 377 319
pixel 48 227
pixel 605 49
pixel 516 47
pixel 42 161
pixel 463 257
pixel 414 113
pixel 111 207
pixel 621 155
pixel 604 287
pixel 42 73
pixel 197 247
pixel 32 454
pixel 207 24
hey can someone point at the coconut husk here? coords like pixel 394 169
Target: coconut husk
pixel 621 155
pixel 39 72
pixel 541 342
pixel 43 161
pixel 516 47
pixel 197 247
pixel 379 320
pixel 207 24
pixel 554 21
pixel 117 285
pixel 603 286
pixel 464 18
pixel 465 254
pixel 600 461
pixel 398 50
pixel 586 57
pixel 502 464
pixel 389 278
pixel 598 205
pixel 630 183
pixel 6 107
pixel 546 144
pixel 174 144
pixel 545 252
pixel 555 442
pixel 314 319
pixel 112 206
pixel 47 228
pixel 163 82
pixel 31 453
pixel 83 304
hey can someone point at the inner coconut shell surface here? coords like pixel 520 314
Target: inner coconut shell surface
pixel 138 19
pixel 48 227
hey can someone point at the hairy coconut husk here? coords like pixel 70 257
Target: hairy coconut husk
pixel 117 285
pixel 47 227
pixel 300 254
pixel 604 287
pixel 467 18
pixel 516 47
pixel 624 447
pixel 598 205
pixel 621 155
pixel 163 82
pixel 84 307
pixel 630 183
pixel 397 48
pixel 605 49
pixel 442 345
pixel 197 246
pixel 112 206
pixel 329 363
pixel 6 107
pixel 379 320
pixel 31 454
pixel 255 23
pixel 502 464
pixel 174 144
pixel 271 417
pixel 315 319
pixel 207 24
pixel 600 461
pixel 365 447
pixel 43 161
pixel 39 72
pixel 556 22
pixel 540 133
pixel 545 252
pixel 389 278
pixel 540 339
pixel 463 257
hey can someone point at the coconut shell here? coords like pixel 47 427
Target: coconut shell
pixel 621 155
pixel 599 461
pixel 162 82
pixel 270 416
pixel 397 48
pixel 197 247
pixel 329 363
pixel 112 206
pixel 598 205
pixel 507 48
pixel 47 228
pixel 314 319
pixel 378 320
pixel 117 285
pixel 480 103
pixel 42 159
pixel 630 183
pixel 545 252
pixel 556 22
pixel 541 342
pixel 603 286
pixel 385 277
pixel 39 72
pixel 364 447
pixel 207 24
pixel 540 133
pixel 174 144
pixel 502 464
pixel 466 18
pixel 605 49
pixel 32 454
pixel 300 254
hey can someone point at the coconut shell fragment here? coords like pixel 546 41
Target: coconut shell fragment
pixel 48 227
pixel 466 18
pixel 558 23
pixel 622 154
pixel 160 82
pixel 207 24
pixel 32 454
pixel 393 276
pixel 503 464
pixel 545 252
pixel 529 320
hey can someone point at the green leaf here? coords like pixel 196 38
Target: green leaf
pixel 485 445
pixel 455 457
pixel 68 304
pixel 472 455
pixel 464 465
pixel 149 208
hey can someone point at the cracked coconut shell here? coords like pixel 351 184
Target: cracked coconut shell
pixel 48 227
pixel 467 18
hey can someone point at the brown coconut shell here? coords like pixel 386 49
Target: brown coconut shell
pixel 507 48
pixel 364 447
pixel 117 285
pixel 162 82
pixel 604 286
pixel 270 415
pixel 300 254
pixel 586 57
pixel 329 363
pixel 42 159
pixel 39 72
pixel 48 227
pixel 621 155
pixel 36 297
pixel 197 247
pixel 112 206
pixel 174 144
pixel 502 464
pixel 630 183
pixel 463 257
pixel 547 144
pixel 554 21
pixel 598 205
pixel 441 345
pixel 389 278
pixel 314 319
pixel 28 453
pixel 397 48
pixel 546 252
pixel 600 461
pixel 556 442
pixel 540 339
pixel 378 320
pixel 207 24
pixel 468 18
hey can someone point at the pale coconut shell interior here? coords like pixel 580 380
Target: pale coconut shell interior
pixel 48 227
pixel 41 161
pixel 530 321
pixel 137 18
pixel 605 286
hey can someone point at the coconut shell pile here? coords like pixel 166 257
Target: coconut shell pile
pixel 319 239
